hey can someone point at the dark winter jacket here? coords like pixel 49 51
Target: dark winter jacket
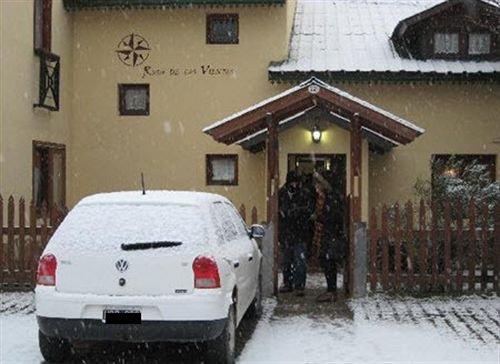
pixel 294 216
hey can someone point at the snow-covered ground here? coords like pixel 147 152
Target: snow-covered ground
pixel 384 329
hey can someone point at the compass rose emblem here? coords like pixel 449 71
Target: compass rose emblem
pixel 133 50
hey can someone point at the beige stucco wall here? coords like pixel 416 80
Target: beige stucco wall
pixel 107 152
pixel 20 123
pixel 110 151
pixel 459 119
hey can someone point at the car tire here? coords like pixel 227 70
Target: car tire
pixel 54 349
pixel 221 350
pixel 255 309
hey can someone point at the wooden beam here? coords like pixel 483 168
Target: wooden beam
pixel 258 115
pixel 272 151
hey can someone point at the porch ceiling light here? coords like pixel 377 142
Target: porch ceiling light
pixel 316 134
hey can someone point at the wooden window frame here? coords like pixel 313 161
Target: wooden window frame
pixel 473 55
pixel 51 146
pixel 447 55
pixel 212 17
pixel 122 89
pixel 45 27
pixel 209 173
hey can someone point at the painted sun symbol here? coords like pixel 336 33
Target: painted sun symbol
pixel 133 50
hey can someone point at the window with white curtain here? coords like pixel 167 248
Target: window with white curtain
pixel 222 169
pixel 479 43
pixel 446 43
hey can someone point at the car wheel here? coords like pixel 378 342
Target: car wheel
pixel 255 309
pixel 221 350
pixel 54 349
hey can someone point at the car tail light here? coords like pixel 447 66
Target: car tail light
pixel 46 274
pixel 206 273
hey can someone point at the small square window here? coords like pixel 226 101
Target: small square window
pixel 222 169
pixel 446 43
pixel 133 99
pixel 479 43
pixel 222 28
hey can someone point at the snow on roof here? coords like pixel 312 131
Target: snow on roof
pixel 151 197
pixel 354 36
pixel 307 83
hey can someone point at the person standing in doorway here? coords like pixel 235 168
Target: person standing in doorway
pixel 294 212
pixel 329 234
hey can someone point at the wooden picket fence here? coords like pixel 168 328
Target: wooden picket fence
pixel 254 218
pixel 22 244
pixel 456 250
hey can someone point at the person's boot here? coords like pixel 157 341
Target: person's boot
pixel 285 289
pixel 300 291
pixel 327 296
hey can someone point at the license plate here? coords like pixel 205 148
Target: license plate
pixel 122 316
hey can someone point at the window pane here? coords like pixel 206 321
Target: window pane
pixel 58 178
pixel 223 169
pixel 479 43
pixel 38 28
pixel 446 43
pixel 228 229
pixel 136 99
pixel 223 29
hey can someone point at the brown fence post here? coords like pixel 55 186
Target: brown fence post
pixel 255 218
pixel 373 250
pixel 10 237
pixel 243 212
pixel 460 246
pixel 496 273
pixel 33 244
pixel 22 241
pixel 385 248
pixel 44 234
pixel 409 244
pixel 434 239
pixel 472 246
pixel 484 246
pixel 422 266
pixel 447 244
pixel 2 255
pixel 397 246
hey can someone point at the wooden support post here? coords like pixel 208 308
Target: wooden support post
pixel 355 206
pixel 272 190
pixel 356 168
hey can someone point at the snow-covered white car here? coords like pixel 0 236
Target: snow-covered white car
pixel 164 266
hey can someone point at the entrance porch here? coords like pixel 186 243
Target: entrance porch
pixel 315 119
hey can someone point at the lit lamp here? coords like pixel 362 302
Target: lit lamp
pixel 316 134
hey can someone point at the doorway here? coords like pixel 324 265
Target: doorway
pixel 49 175
pixel 332 167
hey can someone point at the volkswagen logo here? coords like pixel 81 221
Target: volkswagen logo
pixel 121 265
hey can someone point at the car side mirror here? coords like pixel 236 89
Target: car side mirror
pixel 257 231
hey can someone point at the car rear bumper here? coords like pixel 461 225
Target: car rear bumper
pixel 201 305
pixel 147 331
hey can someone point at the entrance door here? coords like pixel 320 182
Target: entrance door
pixel 332 168
pixel 49 175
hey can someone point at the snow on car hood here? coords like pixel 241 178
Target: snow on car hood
pixel 104 227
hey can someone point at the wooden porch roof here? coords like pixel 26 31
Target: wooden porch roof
pixel 309 95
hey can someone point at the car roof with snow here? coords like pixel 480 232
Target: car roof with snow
pixel 152 197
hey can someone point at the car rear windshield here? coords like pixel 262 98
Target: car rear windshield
pixel 109 226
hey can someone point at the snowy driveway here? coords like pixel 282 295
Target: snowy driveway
pixel 382 330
